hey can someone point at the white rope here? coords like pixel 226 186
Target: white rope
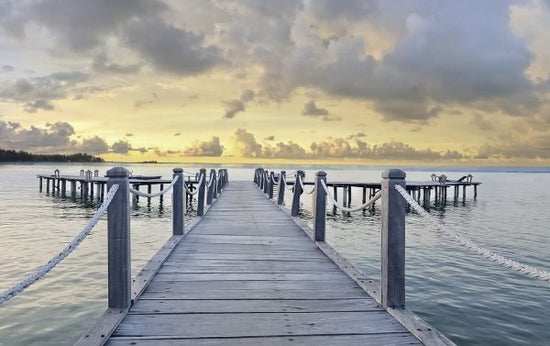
pixel 210 181
pixel 304 187
pixel 340 206
pixel 40 272
pixel 156 194
pixel 288 187
pixel 472 246
pixel 197 190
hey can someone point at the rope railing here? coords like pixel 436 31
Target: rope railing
pixel 40 272
pixel 197 190
pixel 288 187
pixel 471 245
pixel 340 206
pixel 156 194
pixel 299 178
pixel 210 181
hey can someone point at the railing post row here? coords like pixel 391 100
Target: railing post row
pixel 319 207
pixel 297 192
pixel 266 182
pixel 281 192
pixel 118 240
pixel 201 187
pixel 392 290
pixel 178 225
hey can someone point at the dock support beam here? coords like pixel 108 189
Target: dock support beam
pixel 118 233
pixel 297 192
pixel 200 199
pixel 178 226
pixel 320 207
pixel 282 188
pixel 392 280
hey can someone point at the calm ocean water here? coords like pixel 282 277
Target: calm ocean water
pixel 471 300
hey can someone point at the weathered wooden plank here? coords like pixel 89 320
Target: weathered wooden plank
pixel 161 306
pixel 175 277
pixel 258 324
pixel 100 332
pixel 308 293
pixel 393 339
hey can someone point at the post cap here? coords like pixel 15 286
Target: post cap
pixel 321 174
pixel 394 174
pixel 300 172
pixel 213 170
pixel 177 170
pixel 283 172
pixel 117 172
pixel 202 170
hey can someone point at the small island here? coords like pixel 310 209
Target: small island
pixel 23 156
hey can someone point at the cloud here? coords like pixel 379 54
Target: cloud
pixel 8 68
pixel 101 64
pixel 82 25
pixel 245 144
pixel 171 49
pixel 177 134
pixel 270 138
pixel 93 145
pixel 517 146
pixel 38 92
pixel 205 148
pixel 482 122
pixel 58 137
pixel 232 107
pixel 311 109
pixel 43 104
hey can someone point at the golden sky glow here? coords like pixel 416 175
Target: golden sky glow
pixel 354 81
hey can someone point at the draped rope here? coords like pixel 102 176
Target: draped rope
pixel 41 271
pixel 340 206
pixel 197 190
pixel 471 245
pixel 304 187
pixel 288 187
pixel 156 194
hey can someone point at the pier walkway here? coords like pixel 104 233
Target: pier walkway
pixel 248 275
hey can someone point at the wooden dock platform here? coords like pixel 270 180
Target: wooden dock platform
pixel 247 274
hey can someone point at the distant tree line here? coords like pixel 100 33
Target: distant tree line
pixel 23 156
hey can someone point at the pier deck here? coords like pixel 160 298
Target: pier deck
pixel 247 275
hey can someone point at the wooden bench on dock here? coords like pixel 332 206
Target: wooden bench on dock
pixel 248 273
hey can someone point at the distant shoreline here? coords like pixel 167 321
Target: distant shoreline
pixel 23 156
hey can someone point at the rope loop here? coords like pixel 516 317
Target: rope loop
pixel 349 210
pixel 156 194
pixel 197 190
pixel 41 271
pixel 471 245
pixel 303 186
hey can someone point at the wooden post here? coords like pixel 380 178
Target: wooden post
pixel 266 182
pixel 161 197
pixel 118 233
pixel 40 184
pixel 91 191
pixel 297 192
pixel 282 188
pixel 475 192
pixel 463 193
pixel 271 185
pixel 73 188
pixel 215 190
pixel 200 200
pixel 178 225
pixel 392 290
pixel 47 185
pixel 63 187
pixel 320 207
pixel 210 190
pixel 148 191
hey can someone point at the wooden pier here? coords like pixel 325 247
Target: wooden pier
pixel 247 273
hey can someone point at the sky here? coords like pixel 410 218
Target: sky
pixel 342 81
